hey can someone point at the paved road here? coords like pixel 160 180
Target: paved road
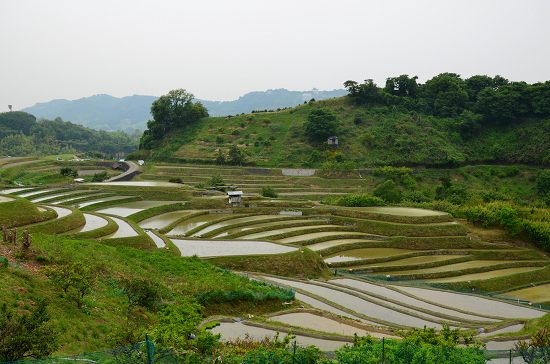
pixel 127 175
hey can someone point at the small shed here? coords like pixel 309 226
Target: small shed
pixel 333 140
pixel 234 197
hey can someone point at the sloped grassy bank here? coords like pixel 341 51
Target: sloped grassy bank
pixel 105 307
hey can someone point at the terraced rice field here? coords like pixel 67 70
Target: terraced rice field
pixel 537 294
pixel 375 242
pixel 163 220
pixel 217 248
pixel 129 208
pixel 485 275
pixel 235 330
pixel 93 222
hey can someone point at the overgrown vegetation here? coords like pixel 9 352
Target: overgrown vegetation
pixel 22 135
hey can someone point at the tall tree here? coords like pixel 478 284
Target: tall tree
pixel 321 123
pixel 171 111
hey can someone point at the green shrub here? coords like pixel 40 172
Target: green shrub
pixel 141 292
pixel 3 262
pixel 388 191
pixel 543 182
pixel 216 181
pixel 359 200
pixel 100 177
pixel 416 196
pixel 26 335
pixel 68 172
pixel 538 232
pixel 175 180
pixel 269 192
pixel 494 214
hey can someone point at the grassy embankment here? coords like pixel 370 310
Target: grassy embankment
pixel 86 330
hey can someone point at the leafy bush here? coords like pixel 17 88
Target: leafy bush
pixel 68 172
pixel 141 292
pixel 216 181
pixel 388 191
pixel 175 180
pixel 416 196
pixel 538 231
pixel 177 329
pixel 494 214
pixel 27 334
pixel 100 177
pixel 359 200
pixel 543 182
pixel 537 350
pixel 76 279
pixel 418 346
pixel 269 192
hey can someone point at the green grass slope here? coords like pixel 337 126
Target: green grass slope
pixel 368 136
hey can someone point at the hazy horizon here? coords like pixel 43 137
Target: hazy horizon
pixel 219 50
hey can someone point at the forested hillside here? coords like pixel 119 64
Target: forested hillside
pixel 21 135
pixel 446 121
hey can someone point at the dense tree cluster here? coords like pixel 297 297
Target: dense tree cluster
pixel 321 124
pixel 475 99
pixel 22 134
pixel 171 111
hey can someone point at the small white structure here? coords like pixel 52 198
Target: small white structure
pixel 333 140
pixel 79 180
pixel 234 197
pixel 141 162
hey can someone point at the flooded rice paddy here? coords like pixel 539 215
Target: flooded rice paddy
pixel 401 211
pixel 129 208
pixel 32 193
pixel 485 275
pixel 471 303
pixel 14 190
pixel 253 220
pixel 358 304
pixel 163 220
pixel 103 199
pixel 156 239
pixel 56 196
pixel 310 236
pixel 183 227
pixel 235 330
pixel 274 232
pixel 92 222
pixel 365 253
pixel 5 199
pixel 405 299
pixel 452 267
pixel 276 224
pixel 216 248
pixel 416 260
pixel 137 184
pixel 61 211
pixel 125 230
pixel 336 242
pixel 311 321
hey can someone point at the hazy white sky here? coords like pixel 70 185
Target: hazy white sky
pixel 221 49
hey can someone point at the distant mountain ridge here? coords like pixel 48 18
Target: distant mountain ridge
pixel 106 112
